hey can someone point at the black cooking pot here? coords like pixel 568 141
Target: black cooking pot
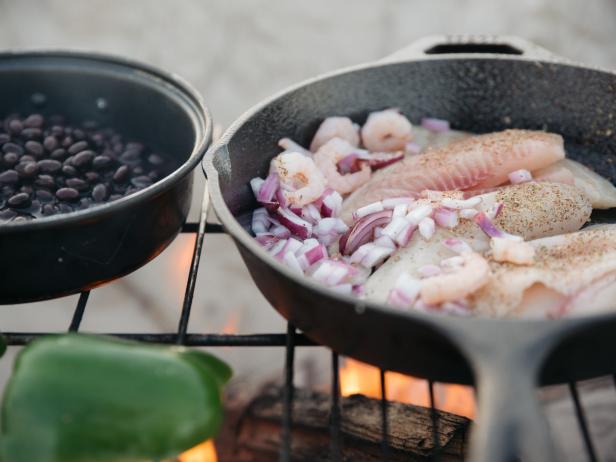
pixel 480 85
pixel 64 254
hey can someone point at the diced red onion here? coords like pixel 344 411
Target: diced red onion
pixel 268 188
pixel 457 245
pixel 289 145
pixel 488 227
pixel 378 232
pixel 385 241
pixel 520 176
pixel 361 252
pixel 405 291
pixel 393 201
pixel 348 164
pixel 330 272
pixel 343 288
pixel 446 218
pixel 435 125
pixel 290 260
pixel 400 210
pixel 256 184
pixel 427 271
pixel 325 226
pixel 281 232
pixel 396 225
pixel 277 247
pixel 458 204
pixel 404 236
pixel 419 213
pixel 427 228
pixel 376 256
pixel 306 246
pixel 468 213
pixel 359 290
pixel 331 203
pixel 296 225
pixel 311 214
pixel 291 245
pixel 361 232
pixel 380 160
pixel 260 222
pixel 314 255
pixel 368 209
pixel 341 226
pixel 412 148
pixel 281 198
pixel 459 307
pixel 494 210
pixel 452 263
pixel 267 240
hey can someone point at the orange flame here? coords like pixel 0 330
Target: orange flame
pixel 204 452
pixel 357 377
pixel 231 326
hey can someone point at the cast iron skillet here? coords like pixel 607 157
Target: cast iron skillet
pixel 480 84
pixel 64 254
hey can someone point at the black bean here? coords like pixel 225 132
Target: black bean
pixel 27 169
pixel 58 154
pixel 50 142
pixel 57 130
pixel 138 170
pixel 141 181
pixel 130 156
pixel 63 207
pixel 121 174
pixel 9 177
pixel 12 147
pixel 83 158
pixel 66 142
pixel 34 121
pixel 155 159
pixel 4 138
pixel 44 196
pixel 67 194
pixel 153 175
pixel 92 176
pixel 77 183
pixel 100 162
pixel 27 158
pixel 15 126
pixel 115 197
pixel 35 148
pixel 19 200
pixel 26 189
pixel 31 133
pixel 69 170
pixel 78 147
pixel 34 208
pixel 48 210
pixel 99 192
pixel 7 214
pixel 84 203
pixel 49 165
pixel 79 134
pixel 45 181
pixel 10 159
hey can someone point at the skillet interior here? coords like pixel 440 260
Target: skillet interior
pixel 476 94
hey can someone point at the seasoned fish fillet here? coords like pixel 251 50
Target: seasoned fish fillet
pixel 477 162
pixel 531 210
pixel 574 275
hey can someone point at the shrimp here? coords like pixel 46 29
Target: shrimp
pixel 508 250
pixel 300 179
pixel 327 158
pixel 387 131
pixel 335 127
pixel 466 279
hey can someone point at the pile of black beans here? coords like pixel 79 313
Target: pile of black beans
pixel 49 167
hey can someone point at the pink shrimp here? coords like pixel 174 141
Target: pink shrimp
pixel 327 158
pixel 335 127
pixel 387 131
pixel 301 181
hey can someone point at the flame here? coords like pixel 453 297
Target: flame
pixel 357 377
pixel 231 326
pixel 204 452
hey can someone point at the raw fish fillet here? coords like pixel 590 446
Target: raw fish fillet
pixel 481 161
pixel 531 210
pixel 574 275
pixel 600 191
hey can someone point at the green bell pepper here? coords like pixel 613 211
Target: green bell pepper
pixel 75 398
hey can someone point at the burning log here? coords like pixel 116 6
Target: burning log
pixel 257 430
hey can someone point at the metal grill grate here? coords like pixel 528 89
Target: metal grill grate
pixel 289 340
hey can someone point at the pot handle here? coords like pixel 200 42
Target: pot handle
pixel 464 45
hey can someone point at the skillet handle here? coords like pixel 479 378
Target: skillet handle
pixel 465 45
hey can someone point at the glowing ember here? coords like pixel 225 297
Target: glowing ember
pixel 204 452
pixel 357 377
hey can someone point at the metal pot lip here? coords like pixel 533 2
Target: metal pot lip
pixel 177 89
pixel 435 320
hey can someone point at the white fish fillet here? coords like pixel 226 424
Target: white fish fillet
pixel 600 191
pixel 531 210
pixel 574 275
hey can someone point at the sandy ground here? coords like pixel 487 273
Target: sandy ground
pixel 235 54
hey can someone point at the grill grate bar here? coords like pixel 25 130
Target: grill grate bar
pixel 335 416
pixel 384 418
pixel 435 440
pixel 79 310
pixel 287 406
pixel 583 423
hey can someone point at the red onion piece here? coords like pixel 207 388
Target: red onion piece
pixel 488 227
pixel 385 241
pixel 380 160
pixel 361 252
pixel 376 256
pixel 268 188
pixel 412 148
pixel 394 227
pixel 520 176
pixel 348 164
pixel 427 271
pixel 343 288
pixel 393 201
pixel 260 222
pixel 290 260
pixel 458 204
pixel 368 209
pixel 419 213
pixel 361 231
pixel 267 240
pixel 331 272
pixel 281 232
pixel 457 245
pixel 446 218
pixel 404 236
pixel 495 210
pixel 291 245
pixel 400 210
pixel 295 224
pixel 311 214
pixel 405 291
pixel 315 254
pixel 435 125
pixel 277 247
pixel 331 203
pixel 256 184
pixel 468 213
pixel 427 228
